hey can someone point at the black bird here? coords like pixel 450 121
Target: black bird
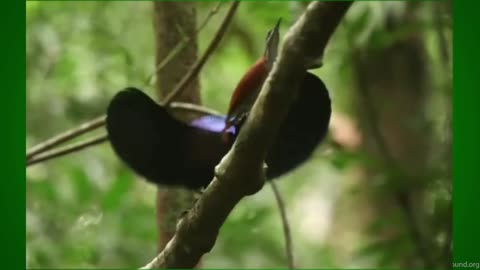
pixel 172 152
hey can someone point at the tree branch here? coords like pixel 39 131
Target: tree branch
pixel 194 108
pixel 66 136
pixel 241 171
pixel 181 45
pixel 67 150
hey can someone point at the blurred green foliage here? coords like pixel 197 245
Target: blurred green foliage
pixel 87 210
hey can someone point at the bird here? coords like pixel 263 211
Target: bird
pixel 249 86
pixel 169 151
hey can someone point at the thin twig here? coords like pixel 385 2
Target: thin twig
pixel 66 136
pixel 193 72
pixel 183 106
pixel 67 149
pixel 210 14
pixel 285 224
pixel 181 45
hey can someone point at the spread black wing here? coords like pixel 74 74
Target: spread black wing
pixel 168 151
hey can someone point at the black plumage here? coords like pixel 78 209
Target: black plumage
pixel 168 151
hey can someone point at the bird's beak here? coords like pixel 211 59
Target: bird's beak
pixel 277 26
pixel 273 38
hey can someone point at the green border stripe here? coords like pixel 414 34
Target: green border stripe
pixel 466 137
pixel 12 135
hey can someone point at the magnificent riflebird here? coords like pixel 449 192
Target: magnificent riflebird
pixel 169 151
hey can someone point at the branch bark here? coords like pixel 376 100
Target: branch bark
pixel 72 148
pixel 65 136
pixel 241 171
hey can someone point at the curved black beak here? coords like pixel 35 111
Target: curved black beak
pixel 277 25
pixel 273 39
